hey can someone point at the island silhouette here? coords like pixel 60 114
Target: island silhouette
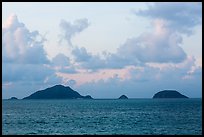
pixel 123 97
pixel 65 92
pixel 13 98
pixel 169 94
pixel 57 92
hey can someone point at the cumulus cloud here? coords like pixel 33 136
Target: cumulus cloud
pixel 117 60
pixel 62 63
pixel 25 61
pixel 80 54
pixel 181 16
pixel 86 59
pixel 162 45
pixel 61 60
pixel 71 29
pixel 20 45
pixel 159 46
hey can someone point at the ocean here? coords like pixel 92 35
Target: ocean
pixel 102 117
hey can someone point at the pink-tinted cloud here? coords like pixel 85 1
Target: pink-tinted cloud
pixel 84 77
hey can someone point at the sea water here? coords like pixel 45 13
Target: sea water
pixel 102 117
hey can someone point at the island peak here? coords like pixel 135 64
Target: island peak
pixel 57 92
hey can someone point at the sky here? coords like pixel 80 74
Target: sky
pixel 102 49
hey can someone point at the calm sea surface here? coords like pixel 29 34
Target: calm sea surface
pixel 132 116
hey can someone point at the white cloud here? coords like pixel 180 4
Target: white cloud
pixel 161 45
pixel 20 45
pixel 23 55
pixel 25 61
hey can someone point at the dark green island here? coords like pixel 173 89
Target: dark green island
pixel 57 92
pixel 169 94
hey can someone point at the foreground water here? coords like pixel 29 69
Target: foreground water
pixel 132 116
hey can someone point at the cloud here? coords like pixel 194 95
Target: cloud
pixel 84 76
pixel 81 55
pixel 71 83
pixel 162 45
pixel 61 60
pixel 24 72
pixel 117 60
pixel 181 16
pixel 52 79
pixel 20 45
pixel 25 64
pixel 62 63
pixel 159 46
pixel 23 55
pixel 71 29
pixel 156 59
pixel 87 60
pixel 66 70
pixel 173 76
